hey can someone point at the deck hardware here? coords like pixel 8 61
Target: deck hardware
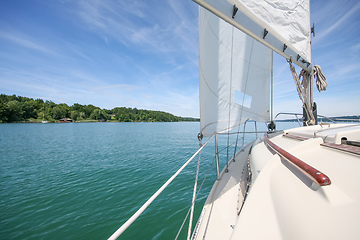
pixel 313 29
pixel 217 157
pixel 271 126
pixel 298 57
pixel 235 9
pixel 351 143
pixel 265 33
pixel 200 136
pixel 305 62
pixel 284 47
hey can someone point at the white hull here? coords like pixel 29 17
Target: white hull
pixel 282 201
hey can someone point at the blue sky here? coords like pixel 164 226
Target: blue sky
pixel 144 54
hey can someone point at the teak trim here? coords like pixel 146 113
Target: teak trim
pixel 314 174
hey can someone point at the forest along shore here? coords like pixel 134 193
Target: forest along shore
pixel 23 109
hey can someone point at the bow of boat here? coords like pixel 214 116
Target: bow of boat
pixel 308 190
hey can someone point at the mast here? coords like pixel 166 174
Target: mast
pixel 309 90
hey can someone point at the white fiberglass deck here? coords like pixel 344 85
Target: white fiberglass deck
pixel 282 202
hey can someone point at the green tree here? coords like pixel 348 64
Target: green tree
pixel 4 112
pixel 17 108
pixel 96 114
pixel 82 115
pixel 14 111
pixel 28 109
pixel 74 115
pixel 88 110
pixel 58 112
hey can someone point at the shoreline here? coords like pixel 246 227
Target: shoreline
pixel 94 121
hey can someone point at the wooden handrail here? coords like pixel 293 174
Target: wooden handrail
pixel 295 137
pixel 343 147
pixel 312 173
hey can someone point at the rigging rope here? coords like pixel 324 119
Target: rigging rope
pixel 301 92
pixel 321 83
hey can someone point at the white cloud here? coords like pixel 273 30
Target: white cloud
pixel 338 18
pixel 25 41
pixel 144 54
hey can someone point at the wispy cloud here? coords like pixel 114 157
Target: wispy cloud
pixel 25 41
pixel 126 87
pixel 136 24
pixel 144 54
pixel 340 12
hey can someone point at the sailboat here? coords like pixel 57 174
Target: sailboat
pixel 44 121
pixel 299 183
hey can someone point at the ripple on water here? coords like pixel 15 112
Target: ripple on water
pixel 82 181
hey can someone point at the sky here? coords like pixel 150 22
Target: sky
pixel 144 54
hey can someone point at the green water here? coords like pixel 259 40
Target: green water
pixel 83 180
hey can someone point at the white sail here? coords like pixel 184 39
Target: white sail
pixel 283 26
pixel 289 20
pixel 234 80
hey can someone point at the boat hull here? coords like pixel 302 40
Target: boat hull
pixel 282 201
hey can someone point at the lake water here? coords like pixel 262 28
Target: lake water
pixel 83 180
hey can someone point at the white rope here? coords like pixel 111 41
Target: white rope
pixel 321 83
pixel 301 93
pixel 153 197
pixel 193 199
pixel 197 194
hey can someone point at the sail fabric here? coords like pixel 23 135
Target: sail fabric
pixel 282 25
pixel 288 20
pixel 234 76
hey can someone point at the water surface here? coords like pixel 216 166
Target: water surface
pixel 83 180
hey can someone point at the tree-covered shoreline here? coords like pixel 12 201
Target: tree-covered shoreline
pixel 23 109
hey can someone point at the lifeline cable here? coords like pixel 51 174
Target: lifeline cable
pixel 118 232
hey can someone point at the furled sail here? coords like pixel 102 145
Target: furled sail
pixel 283 26
pixel 234 78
